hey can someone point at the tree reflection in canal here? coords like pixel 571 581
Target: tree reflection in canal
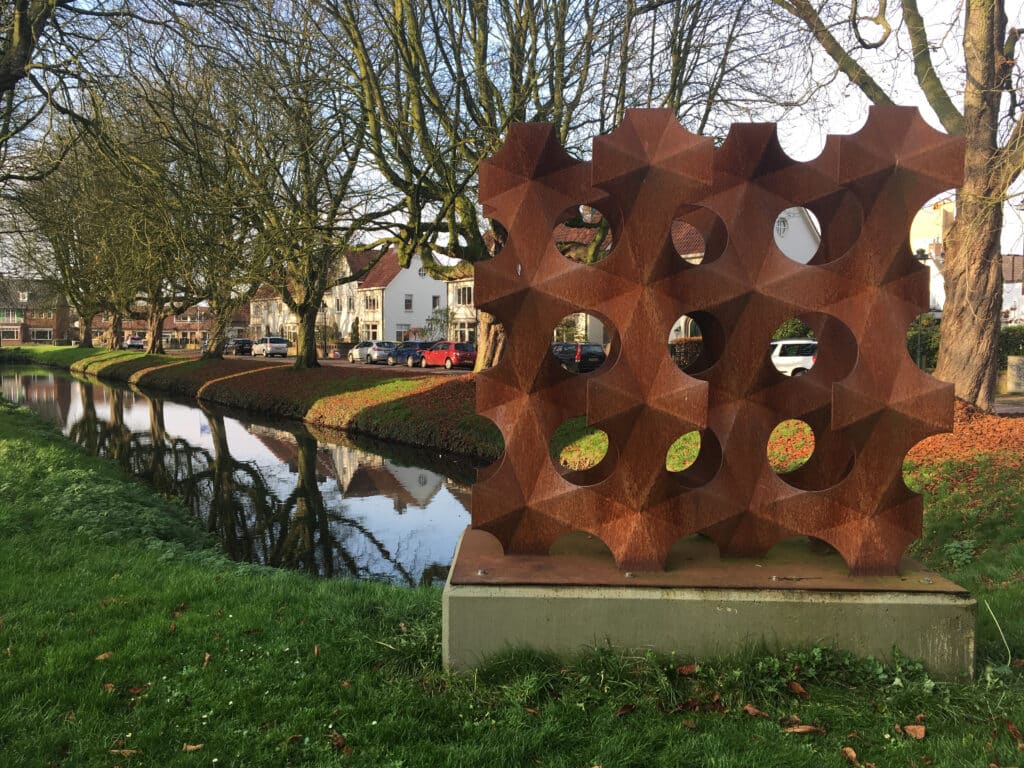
pixel 272 494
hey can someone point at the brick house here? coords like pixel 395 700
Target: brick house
pixel 33 313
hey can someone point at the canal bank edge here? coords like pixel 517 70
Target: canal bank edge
pixel 426 411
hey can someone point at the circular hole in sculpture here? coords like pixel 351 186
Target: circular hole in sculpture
pixel 923 341
pixel 581 453
pixel 698 235
pixel 793 348
pixel 695 342
pixel 797 234
pixel 790 445
pixel 584 235
pixel 580 343
pixel 683 452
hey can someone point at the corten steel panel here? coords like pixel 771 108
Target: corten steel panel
pixel 865 400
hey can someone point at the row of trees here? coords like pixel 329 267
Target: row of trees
pixel 198 150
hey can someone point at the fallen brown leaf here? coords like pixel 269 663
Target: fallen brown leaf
pixel 753 711
pixel 179 610
pixel 293 738
pixel 625 709
pixel 532 711
pixel 898 728
pixel 791 720
pixel 337 741
pixel 919 718
pixel 1015 732
pixel 69 716
pixel 316 650
pixel 345 684
pixel 104 656
pixel 690 724
pixel 135 690
pixel 687 669
pixel 108 686
pixel 798 690
pixel 206 659
pixel 191 747
pixel 914 731
pixel 173 628
pixel 1017 663
pixel 403 628
pixel 850 755
pixel 126 752
pixel 804 729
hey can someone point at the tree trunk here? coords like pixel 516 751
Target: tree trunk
pixel 85 331
pixel 490 342
pixel 218 335
pixel 969 343
pixel 155 331
pixel 115 333
pixel 305 345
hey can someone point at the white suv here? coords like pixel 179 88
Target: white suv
pixel 270 346
pixel 793 357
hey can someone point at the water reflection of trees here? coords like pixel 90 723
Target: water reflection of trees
pixel 239 506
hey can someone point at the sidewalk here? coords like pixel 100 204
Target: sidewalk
pixel 1009 405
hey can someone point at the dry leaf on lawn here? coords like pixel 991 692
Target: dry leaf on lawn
pixel 690 724
pixel 687 669
pixel 1015 732
pixel 803 729
pixel 191 747
pixel 625 709
pixel 126 752
pixel 104 656
pixel 206 658
pixel 798 690
pixel 914 731
pixel 850 755
pixel 753 711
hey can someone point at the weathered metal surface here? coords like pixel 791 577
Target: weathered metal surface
pixel 580 560
pixel 865 400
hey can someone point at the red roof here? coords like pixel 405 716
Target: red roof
pixel 360 261
pixel 383 272
pixel 685 237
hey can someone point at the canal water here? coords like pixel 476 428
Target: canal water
pixel 271 492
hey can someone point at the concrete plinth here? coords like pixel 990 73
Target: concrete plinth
pixel 700 606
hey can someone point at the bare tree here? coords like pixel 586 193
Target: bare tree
pixel 441 82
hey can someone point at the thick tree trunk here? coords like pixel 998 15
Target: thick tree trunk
pixel 155 333
pixel 115 334
pixel 305 345
pixel 218 335
pixel 490 343
pixel 85 331
pixel 969 344
pixel 968 348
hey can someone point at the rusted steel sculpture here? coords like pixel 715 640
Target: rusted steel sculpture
pixel 865 400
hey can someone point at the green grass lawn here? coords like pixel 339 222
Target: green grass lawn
pixel 126 640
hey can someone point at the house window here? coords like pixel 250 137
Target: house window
pixel 351 303
pixel 435 302
pixel 466 331
pixel 422 272
pixel 337 304
pixel 42 334
pixel 464 295
pixel 408 302
pixel 402 331
pixel 369 332
pixel 369 302
pixel 10 315
pixel 10 333
pixel 23 297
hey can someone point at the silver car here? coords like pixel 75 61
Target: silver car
pixel 270 346
pixel 379 350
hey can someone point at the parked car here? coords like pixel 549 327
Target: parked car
pixel 238 347
pixel 794 357
pixel 409 353
pixel 271 346
pixel 358 352
pixel 449 354
pixel 578 357
pixel 135 342
pixel 379 351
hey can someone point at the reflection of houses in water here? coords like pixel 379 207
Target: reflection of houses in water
pixel 50 396
pixel 284 447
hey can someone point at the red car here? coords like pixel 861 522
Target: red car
pixel 449 354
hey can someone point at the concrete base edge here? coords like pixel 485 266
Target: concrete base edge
pixel 482 620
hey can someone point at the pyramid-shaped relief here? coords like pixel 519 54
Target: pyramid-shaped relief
pixel 865 400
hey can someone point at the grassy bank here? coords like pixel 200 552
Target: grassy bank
pixel 124 640
pixel 427 411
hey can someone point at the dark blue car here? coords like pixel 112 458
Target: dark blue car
pixel 408 353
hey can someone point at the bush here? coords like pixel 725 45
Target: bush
pixel 923 341
pixel 1011 342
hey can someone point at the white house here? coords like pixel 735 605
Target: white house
pixel 393 303
pixel 463 311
